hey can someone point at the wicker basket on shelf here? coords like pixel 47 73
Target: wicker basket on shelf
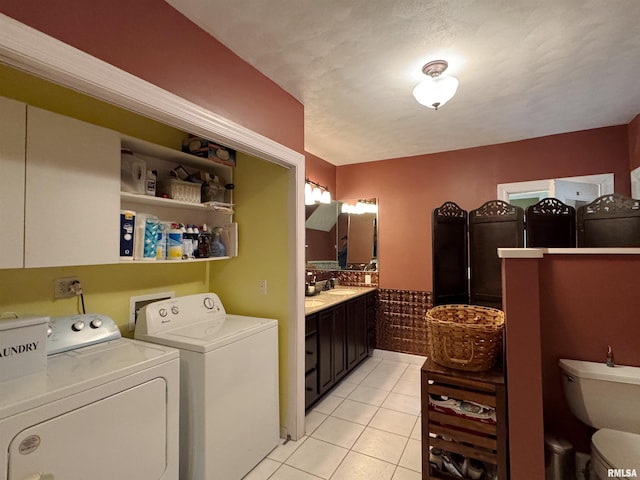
pixel 465 337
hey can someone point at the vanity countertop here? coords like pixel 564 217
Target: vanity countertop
pixel 329 298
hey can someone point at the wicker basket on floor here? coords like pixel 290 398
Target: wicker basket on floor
pixel 465 337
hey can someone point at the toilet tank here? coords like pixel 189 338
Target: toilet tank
pixel 601 396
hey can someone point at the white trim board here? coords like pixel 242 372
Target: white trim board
pixel 605 180
pixel 27 49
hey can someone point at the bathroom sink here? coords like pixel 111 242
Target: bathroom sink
pixel 341 292
pixel 313 303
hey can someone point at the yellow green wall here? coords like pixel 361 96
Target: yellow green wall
pixel 261 212
pixel 106 288
pixel 49 96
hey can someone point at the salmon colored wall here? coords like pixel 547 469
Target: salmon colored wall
pixel 408 189
pixel 634 142
pixel 321 171
pixel 586 304
pixel 151 40
pixel 524 377
pixel 562 306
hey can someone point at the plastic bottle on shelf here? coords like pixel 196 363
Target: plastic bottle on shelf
pixel 194 239
pixel 151 182
pixel 204 242
pixel 174 242
pixel 187 245
pixel 161 248
pixel 217 247
pixel 191 242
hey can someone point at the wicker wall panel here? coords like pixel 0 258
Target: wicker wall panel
pixel 401 324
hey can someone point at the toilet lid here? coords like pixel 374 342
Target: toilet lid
pixel 617 449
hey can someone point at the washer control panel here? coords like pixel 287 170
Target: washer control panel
pixel 177 312
pixel 75 331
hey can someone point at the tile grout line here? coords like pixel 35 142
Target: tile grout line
pixel 388 392
pixel 368 424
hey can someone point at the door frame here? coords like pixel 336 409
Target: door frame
pixel 605 181
pixel 34 52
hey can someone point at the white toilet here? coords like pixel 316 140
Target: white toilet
pixel 607 398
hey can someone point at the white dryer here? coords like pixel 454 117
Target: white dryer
pixel 229 408
pixel 104 411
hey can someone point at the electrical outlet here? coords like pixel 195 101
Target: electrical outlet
pixel 262 286
pixel 65 287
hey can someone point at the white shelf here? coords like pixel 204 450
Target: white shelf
pixel 144 148
pixel 173 262
pixel 163 159
pixel 140 199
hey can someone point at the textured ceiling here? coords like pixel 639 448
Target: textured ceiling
pixel 527 68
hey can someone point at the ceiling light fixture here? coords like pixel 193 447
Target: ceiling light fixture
pixel 438 89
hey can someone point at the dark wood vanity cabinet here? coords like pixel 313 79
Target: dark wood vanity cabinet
pixel 357 341
pixel 311 359
pixel 332 363
pixel 336 341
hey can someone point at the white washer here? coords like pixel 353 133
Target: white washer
pixel 229 409
pixel 105 411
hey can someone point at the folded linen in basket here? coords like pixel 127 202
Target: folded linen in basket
pixel 463 408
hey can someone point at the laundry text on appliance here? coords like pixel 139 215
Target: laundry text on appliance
pixel 25 347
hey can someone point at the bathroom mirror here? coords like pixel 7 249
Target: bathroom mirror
pixel 342 235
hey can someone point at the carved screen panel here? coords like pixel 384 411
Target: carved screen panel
pixel 496 224
pixel 551 224
pixel 609 221
pixel 449 253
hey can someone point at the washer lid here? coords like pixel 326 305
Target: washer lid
pixel 618 449
pixel 211 334
pixel 79 370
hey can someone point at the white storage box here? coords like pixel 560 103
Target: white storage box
pixel 23 345
pixel 179 190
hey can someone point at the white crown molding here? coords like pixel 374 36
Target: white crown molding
pixel 30 50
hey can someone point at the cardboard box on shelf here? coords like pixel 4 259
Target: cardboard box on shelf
pixel 207 149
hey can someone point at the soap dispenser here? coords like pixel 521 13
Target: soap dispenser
pixel 610 361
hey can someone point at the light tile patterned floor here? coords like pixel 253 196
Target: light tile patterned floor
pixel 367 428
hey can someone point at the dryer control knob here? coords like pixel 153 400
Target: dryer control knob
pixel 162 312
pixel 175 310
pixel 208 303
pixel 96 323
pixel 77 326
pixel 49 330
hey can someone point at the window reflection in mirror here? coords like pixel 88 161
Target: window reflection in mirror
pixel 342 235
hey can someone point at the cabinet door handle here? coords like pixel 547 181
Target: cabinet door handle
pixel 309 352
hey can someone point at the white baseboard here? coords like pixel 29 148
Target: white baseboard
pixel 398 357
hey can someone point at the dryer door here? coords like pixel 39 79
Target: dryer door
pixel 117 437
